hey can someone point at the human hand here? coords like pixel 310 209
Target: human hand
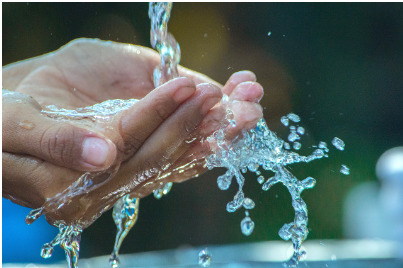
pixel 148 136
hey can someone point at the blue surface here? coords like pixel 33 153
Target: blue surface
pixel 22 242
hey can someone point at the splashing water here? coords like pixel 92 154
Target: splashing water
pixel 260 147
pixel 125 213
pixel 69 235
pixel 126 210
pixel 69 239
pixel 257 148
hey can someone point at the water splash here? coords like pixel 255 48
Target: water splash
pixel 257 148
pixel 69 239
pixel 163 189
pixel 69 235
pixel 27 125
pixel 260 147
pixel 125 213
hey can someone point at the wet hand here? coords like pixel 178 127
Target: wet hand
pixel 149 135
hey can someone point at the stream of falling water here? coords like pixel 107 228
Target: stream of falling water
pixel 257 148
pixel 125 211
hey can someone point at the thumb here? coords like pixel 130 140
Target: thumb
pixel 27 131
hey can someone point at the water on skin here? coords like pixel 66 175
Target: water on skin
pixel 27 125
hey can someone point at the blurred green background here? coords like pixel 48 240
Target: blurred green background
pixel 337 65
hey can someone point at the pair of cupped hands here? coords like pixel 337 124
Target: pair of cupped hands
pixel 42 156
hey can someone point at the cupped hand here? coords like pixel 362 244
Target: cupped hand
pixel 43 156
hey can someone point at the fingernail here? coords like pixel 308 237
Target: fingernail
pixel 95 151
pixel 183 93
pixel 209 103
pixel 242 76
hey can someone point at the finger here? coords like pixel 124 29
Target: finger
pixel 166 144
pixel 140 121
pixel 27 131
pixel 198 78
pixel 29 181
pixel 236 79
pixel 247 91
pixel 171 135
pixel 246 115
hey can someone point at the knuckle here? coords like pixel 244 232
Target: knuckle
pixel 131 143
pixel 58 144
pixel 161 110
pixel 187 127
pixel 153 163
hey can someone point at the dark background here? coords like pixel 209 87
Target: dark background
pixel 337 65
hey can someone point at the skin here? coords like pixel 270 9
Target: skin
pixel 145 144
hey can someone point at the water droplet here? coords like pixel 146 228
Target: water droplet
pixel 46 251
pixel 338 143
pixel 300 130
pixel 344 170
pixel 247 226
pixel 269 34
pixel 293 117
pixel 27 125
pixel 260 179
pixel 285 121
pixel 293 137
pixel 205 35
pixel 246 213
pixel 257 173
pixel 322 243
pixel 323 145
pixel 333 257
pixel 33 215
pixel 248 203
pixel 167 188
pixel 190 140
pixel 253 167
pixel 286 146
pixel 205 258
pixel 224 181
pixel 309 182
pixel 297 145
pixel 231 206
pixel 114 261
